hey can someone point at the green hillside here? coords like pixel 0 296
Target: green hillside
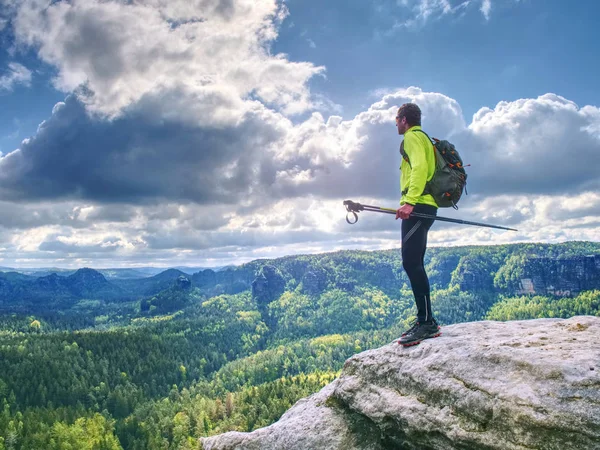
pixel 169 362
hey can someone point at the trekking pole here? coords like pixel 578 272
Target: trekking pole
pixel 354 208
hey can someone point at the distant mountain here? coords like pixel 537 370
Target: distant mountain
pixel 179 295
pixel 124 274
pixel 42 292
pixel 22 292
pixel 43 271
pixel 151 285
pixel 91 284
pixel 516 269
pixel 113 273
pixel 193 270
pixel 16 276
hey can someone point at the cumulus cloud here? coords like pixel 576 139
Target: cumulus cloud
pixel 266 186
pixel 337 158
pixel 73 234
pixel 153 153
pixel 16 74
pixel 541 145
pixel 113 53
pixel 142 157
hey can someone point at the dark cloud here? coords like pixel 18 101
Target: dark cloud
pixel 138 159
pixel 111 213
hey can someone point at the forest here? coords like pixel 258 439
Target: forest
pixel 156 362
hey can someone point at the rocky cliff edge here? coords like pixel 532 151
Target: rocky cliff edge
pixel 531 384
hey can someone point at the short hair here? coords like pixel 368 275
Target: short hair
pixel 412 113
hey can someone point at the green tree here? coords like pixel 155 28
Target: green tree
pixel 94 433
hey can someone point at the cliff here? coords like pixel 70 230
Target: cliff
pixel 472 271
pixel 482 385
pixel 563 276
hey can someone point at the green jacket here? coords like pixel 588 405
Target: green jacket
pixel 419 171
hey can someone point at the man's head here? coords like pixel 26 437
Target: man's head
pixel 408 116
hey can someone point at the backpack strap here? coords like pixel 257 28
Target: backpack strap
pixel 432 140
pixel 403 154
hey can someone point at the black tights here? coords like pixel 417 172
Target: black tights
pixel 414 244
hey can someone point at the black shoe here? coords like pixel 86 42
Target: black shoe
pixel 414 324
pixel 421 331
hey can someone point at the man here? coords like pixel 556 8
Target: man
pixel 418 166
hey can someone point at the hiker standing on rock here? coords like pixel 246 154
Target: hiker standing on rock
pixel 418 167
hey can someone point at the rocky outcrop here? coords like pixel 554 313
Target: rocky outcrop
pixel 561 276
pixel 268 285
pixel 316 422
pixel 313 282
pixel 481 385
pixel 183 283
pixel 228 281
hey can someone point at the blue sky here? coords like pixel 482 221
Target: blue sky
pixel 524 49
pixel 211 132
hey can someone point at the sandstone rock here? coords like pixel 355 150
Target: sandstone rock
pixel 314 281
pixel 268 285
pixel 484 385
pixel 481 385
pixel 316 422
pixel 182 283
pixel 561 276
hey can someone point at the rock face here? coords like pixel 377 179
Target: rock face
pixel 228 281
pixel 316 422
pixel 314 282
pixel 268 285
pixel 183 283
pixel 561 276
pixel 481 385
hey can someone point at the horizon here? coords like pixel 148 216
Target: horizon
pixel 161 134
pixel 198 267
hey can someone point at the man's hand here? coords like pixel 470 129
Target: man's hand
pixel 404 211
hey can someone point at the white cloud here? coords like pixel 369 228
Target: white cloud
pixel 486 8
pixel 17 74
pixel 113 53
pixel 424 11
pixel 541 145
pixel 533 168
pixel 519 178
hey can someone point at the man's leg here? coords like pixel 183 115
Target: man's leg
pixel 414 245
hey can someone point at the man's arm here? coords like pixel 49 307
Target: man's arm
pixel 413 147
